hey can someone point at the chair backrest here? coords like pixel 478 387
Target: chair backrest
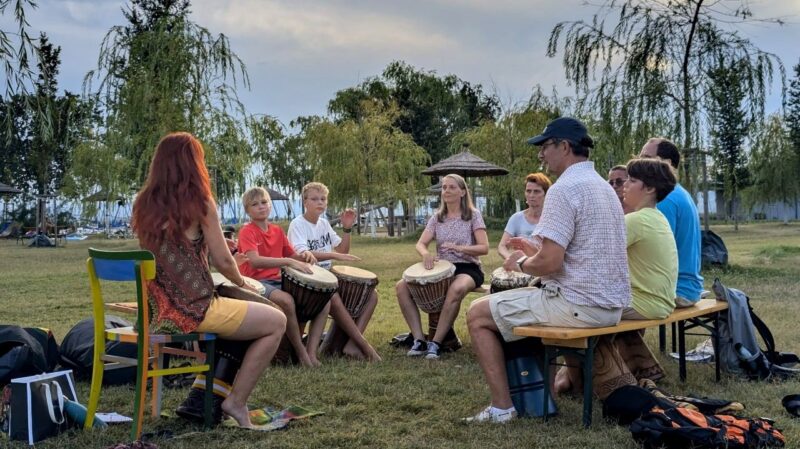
pixel 132 265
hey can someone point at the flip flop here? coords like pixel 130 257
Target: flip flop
pixel 274 425
pixel 792 404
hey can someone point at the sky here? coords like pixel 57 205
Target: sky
pixel 298 53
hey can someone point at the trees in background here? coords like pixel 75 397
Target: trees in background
pixel 161 73
pixel 729 125
pixel 650 59
pixel 432 109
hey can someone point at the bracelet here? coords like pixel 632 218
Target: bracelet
pixel 347 230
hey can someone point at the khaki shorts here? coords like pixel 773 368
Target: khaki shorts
pixel 224 316
pixel 545 306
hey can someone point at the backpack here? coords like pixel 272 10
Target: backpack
pixel 739 350
pixel 77 351
pixel 20 354
pixel 679 428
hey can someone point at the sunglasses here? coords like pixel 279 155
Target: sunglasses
pixel 619 182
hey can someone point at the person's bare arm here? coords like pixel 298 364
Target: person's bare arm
pixel 479 248
pixel 422 249
pixel 549 259
pixel 503 248
pixel 221 256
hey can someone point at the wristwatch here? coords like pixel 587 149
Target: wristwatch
pixel 521 261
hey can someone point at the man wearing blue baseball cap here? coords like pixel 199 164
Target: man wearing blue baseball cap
pixel 579 252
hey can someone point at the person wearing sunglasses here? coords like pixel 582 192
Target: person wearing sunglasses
pixel 616 178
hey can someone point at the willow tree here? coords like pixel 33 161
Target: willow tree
pixel 653 56
pixel 772 165
pixel 162 73
pixel 17 47
pixel 369 161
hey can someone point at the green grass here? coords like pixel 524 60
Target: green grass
pixel 400 402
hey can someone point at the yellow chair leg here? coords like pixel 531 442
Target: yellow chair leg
pixel 94 392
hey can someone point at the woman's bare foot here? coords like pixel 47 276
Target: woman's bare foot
pixel 305 362
pixel 238 412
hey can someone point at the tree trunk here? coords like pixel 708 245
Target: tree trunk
pixel 390 223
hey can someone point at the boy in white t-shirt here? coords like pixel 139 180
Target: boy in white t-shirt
pixel 313 233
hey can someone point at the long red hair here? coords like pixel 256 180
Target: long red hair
pixel 176 194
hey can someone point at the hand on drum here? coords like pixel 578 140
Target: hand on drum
pixel 511 261
pixel 524 245
pixel 348 257
pixel 301 266
pixel 348 217
pixel 429 260
pixel 309 257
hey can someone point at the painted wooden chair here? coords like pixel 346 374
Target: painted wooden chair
pixel 140 267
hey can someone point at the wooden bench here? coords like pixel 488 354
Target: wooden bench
pixel 581 342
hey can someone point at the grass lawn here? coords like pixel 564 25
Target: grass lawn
pixel 401 402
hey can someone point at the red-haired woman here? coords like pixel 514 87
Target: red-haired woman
pixel 176 219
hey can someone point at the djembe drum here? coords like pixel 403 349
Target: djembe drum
pixel 311 292
pixel 355 288
pixel 428 288
pixel 503 280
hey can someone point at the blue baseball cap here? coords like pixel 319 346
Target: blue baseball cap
pixel 564 128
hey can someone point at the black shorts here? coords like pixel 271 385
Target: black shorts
pixel 472 270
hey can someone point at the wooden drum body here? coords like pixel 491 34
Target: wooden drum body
pixel 355 287
pixel 503 280
pixel 428 288
pixel 311 292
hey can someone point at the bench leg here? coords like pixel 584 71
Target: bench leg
pixel 682 350
pixel 674 336
pixel 662 338
pixel 588 363
pixel 548 356
pixel 715 343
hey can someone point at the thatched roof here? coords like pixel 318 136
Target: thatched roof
pixel 465 164
pixel 8 189
pixel 274 195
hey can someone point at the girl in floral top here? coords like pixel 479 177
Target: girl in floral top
pixel 175 218
pixel 461 238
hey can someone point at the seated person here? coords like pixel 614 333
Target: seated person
pixel 461 238
pixel 652 255
pixel 581 229
pixel 312 234
pixel 267 250
pixel 681 213
pixel 616 177
pixel 523 223
pixel 176 219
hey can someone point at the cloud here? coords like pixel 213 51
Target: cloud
pixel 301 31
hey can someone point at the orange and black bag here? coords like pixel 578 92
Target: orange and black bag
pixel 681 428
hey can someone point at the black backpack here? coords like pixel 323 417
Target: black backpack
pixel 77 351
pixel 679 428
pixel 20 354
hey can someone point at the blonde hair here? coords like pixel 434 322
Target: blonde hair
pixel 255 194
pixel 466 201
pixel 314 186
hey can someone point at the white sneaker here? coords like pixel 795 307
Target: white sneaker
pixel 419 348
pixel 493 415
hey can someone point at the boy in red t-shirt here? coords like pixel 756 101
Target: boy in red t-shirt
pixel 267 250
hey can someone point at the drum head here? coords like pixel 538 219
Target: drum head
pixel 320 278
pixel 501 275
pixel 353 273
pixel 219 279
pixel 417 273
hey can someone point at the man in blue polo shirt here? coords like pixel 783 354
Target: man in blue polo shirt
pixel 681 213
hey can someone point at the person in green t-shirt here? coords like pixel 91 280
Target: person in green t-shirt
pixel 652 254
